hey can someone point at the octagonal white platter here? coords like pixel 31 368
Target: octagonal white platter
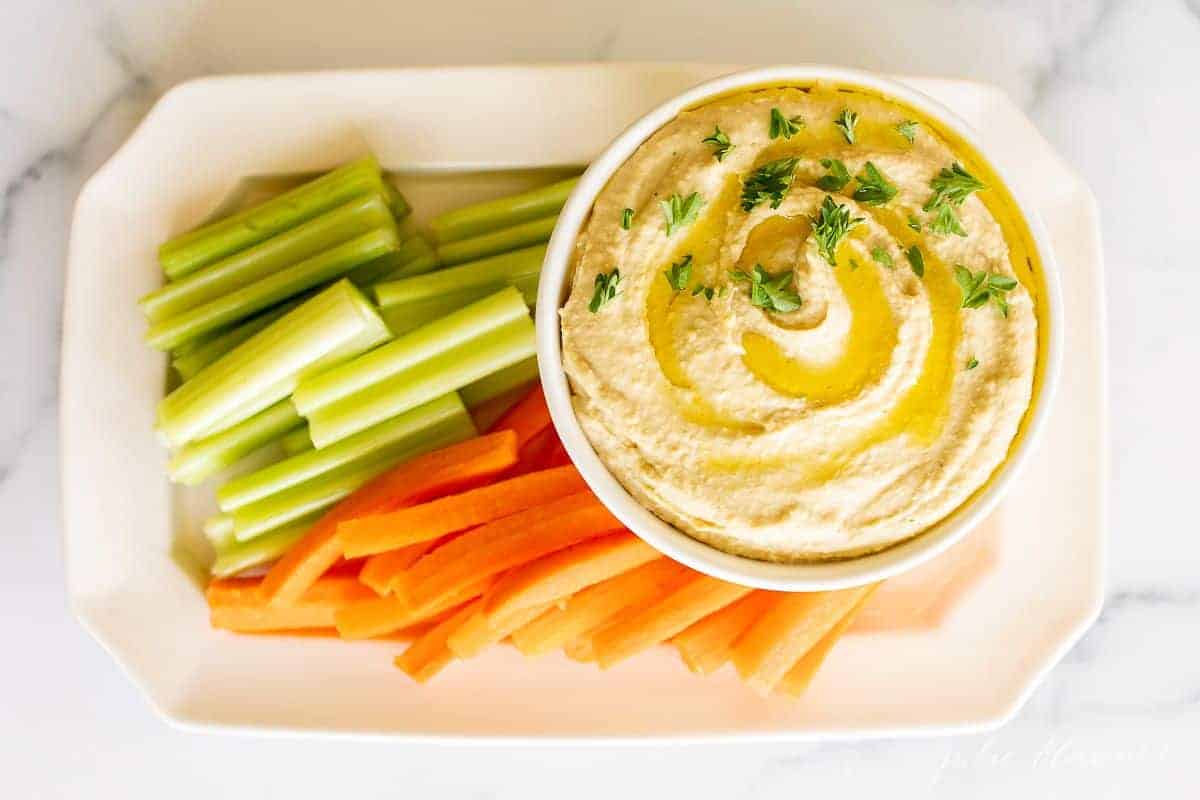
pixel 957 648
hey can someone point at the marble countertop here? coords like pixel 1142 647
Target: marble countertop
pixel 1113 85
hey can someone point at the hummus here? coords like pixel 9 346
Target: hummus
pixel 843 360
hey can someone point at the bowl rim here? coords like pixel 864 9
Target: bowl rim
pixel 703 557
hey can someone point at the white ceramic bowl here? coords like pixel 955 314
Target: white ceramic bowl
pixel 812 576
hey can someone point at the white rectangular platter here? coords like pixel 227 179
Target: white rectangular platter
pixel 958 647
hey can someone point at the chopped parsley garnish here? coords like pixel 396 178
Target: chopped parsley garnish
pixel 908 129
pixel 680 273
pixel 972 363
pixel 837 178
pixel 980 287
pixel 846 122
pixel 720 142
pixel 707 292
pixel 882 257
pixel 952 185
pixel 916 260
pixel 606 289
pixel 782 126
pixel 830 226
pixel 914 223
pixel 771 293
pixel 771 182
pixel 680 211
pixel 873 188
pixel 946 222
pixel 627 218
pixel 853 265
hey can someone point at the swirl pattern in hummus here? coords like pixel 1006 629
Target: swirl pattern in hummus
pixel 838 428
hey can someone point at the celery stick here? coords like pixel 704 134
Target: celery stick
pixel 502 241
pixel 446 372
pixel 190 363
pixel 325 490
pixel 234 556
pixel 218 529
pixel 205 457
pixel 191 251
pixel 413 247
pixel 297 441
pixel 243 268
pixel 390 434
pixel 473 220
pixel 336 324
pixel 410 351
pixel 242 303
pixel 487 274
pixel 505 380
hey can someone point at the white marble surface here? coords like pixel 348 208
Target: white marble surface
pixel 1114 85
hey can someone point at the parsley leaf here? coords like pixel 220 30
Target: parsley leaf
pixel 883 257
pixel 830 226
pixel 771 293
pixel 782 126
pixel 627 218
pixel 914 223
pixel 771 182
pixel 973 363
pixel 680 211
pixel 952 185
pixel 873 188
pixel 720 142
pixel 706 291
pixel 916 260
pixel 908 129
pixel 680 273
pixel 606 289
pixel 979 287
pixel 846 122
pixel 837 178
pixel 946 222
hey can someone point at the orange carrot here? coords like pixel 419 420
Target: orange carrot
pixel 429 655
pixel 478 632
pixel 705 646
pixel 381 569
pixel 797 679
pixel 595 605
pixel 536 452
pixel 527 418
pixel 557 456
pixel 238 604
pixel 450 469
pixel 456 512
pixel 379 616
pixel 489 412
pixel 564 573
pixel 765 652
pixel 656 623
pixel 506 543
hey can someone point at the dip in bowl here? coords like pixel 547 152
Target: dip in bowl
pixel 795 330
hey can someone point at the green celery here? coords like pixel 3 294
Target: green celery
pixel 323 491
pixel 197 358
pixel 502 241
pixel 243 268
pixel 210 243
pixel 473 220
pixel 334 325
pixel 410 351
pixel 492 386
pixel 248 300
pixel 218 529
pixel 395 433
pixel 234 556
pixel 297 441
pixel 203 458
pixel 446 372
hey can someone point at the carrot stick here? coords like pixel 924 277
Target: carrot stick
pixel 238 604
pixel 379 616
pixel 595 605
pixel 382 568
pixel 766 651
pixel 506 543
pixel 653 625
pixel 705 646
pixel 797 679
pixel 450 469
pixel 429 655
pixel 564 573
pixel 456 512
pixel 478 632
pixel 527 418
